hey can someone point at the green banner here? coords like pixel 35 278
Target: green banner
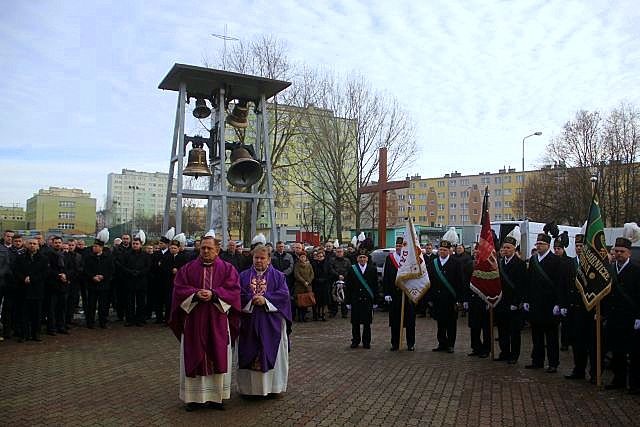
pixel 594 277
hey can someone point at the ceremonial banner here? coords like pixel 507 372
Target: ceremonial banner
pixel 485 280
pixel 593 279
pixel 412 276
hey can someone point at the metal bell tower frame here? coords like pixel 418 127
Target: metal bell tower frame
pixel 219 87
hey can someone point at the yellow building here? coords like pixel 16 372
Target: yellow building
pixel 12 218
pixel 62 210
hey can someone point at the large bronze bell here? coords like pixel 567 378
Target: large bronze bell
pixel 197 164
pixel 244 170
pixel 201 111
pixel 238 117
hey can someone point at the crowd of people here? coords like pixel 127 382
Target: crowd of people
pixel 46 283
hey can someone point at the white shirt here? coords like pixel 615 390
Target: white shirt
pixel 508 260
pixel 541 257
pixel 443 261
pixel 362 267
pixel 618 268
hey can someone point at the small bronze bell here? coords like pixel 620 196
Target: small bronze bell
pixel 197 164
pixel 238 117
pixel 201 111
pixel 244 169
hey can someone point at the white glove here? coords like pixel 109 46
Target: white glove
pixel 348 306
pixel 564 312
pixel 526 306
pixel 636 324
pixel 488 307
pixel 556 310
pixel 465 305
pixel 387 298
pixel 375 306
pixel 513 307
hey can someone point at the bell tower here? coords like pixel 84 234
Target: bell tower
pixel 224 91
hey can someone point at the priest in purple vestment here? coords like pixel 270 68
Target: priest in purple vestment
pixel 263 344
pixel 205 319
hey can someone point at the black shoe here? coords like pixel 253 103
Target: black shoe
pixel 512 361
pixel 354 345
pixel 473 353
pixel 215 405
pixel 36 338
pixel 52 333
pixel 191 406
pixel 483 355
pixel 91 326
pixel 613 386
pixel 19 339
pixel 367 346
pixel 501 358
pixel 439 349
pixel 103 326
pixel 450 350
pixel 63 331
pixel 551 370
pixel 574 376
pixel 393 348
pixel 533 366
pixel 634 390
pixel 411 348
pixel 132 324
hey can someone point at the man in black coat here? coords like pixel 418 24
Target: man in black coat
pixel 136 266
pixel 478 321
pixel 171 262
pixel 582 325
pixel 547 283
pixel 118 287
pixel 98 272
pixel 339 266
pixel 58 287
pixel 232 257
pixel 623 318
pixel 446 293
pixel 394 295
pixel 361 284
pixel 513 276
pixel 31 273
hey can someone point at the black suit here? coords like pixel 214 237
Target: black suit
pixel 390 289
pixel 136 265
pixel 361 302
pixel 444 301
pixel 544 292
pixel 98 291
pixel 36 267
pixel 623 308
pixel 513 279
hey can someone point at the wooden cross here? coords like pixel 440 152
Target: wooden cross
pixel 381 188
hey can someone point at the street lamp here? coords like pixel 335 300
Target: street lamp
pixel 523 176
pixel 133 215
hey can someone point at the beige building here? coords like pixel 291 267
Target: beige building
pixel 135 195
pixel 62 210
pixel 12 218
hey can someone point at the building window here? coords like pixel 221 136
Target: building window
pixel 520 179
pixel 464 218
pixel 423 185
pixel 507 192
pixel 518 190
pixel 498 204
pixel 506 179
pixel 507 204
pixel 452 195
pixel 498 180
pixel 401 197
pixel 485 180
pixel 440 218
pixel 497 192
pixel 452 206
pixel 452 218
pixel 440 183
pixel 422 196
pixel 440 195
pixel 464 181
pixel 452 182
pixel 441 206
pixel 66 215
pixel 66 226
pixel 464 194
pixel 66 204
pixel 422 208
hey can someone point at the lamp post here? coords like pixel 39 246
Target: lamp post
pixel 133 207
pixel 523 176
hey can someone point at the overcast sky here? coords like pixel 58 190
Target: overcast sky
pixel 78 79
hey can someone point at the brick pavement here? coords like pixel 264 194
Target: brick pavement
pixel 129 376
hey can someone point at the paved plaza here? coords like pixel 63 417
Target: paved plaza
pixel 129 376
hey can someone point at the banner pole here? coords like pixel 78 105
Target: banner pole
pixel 598 347
pixel 401 322
pixel 491 331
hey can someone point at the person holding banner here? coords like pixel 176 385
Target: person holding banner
pixel 394 295
pixel 447 291
pixel 361 283
pixel 582 327
pixel 509 315
pixel 623 318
